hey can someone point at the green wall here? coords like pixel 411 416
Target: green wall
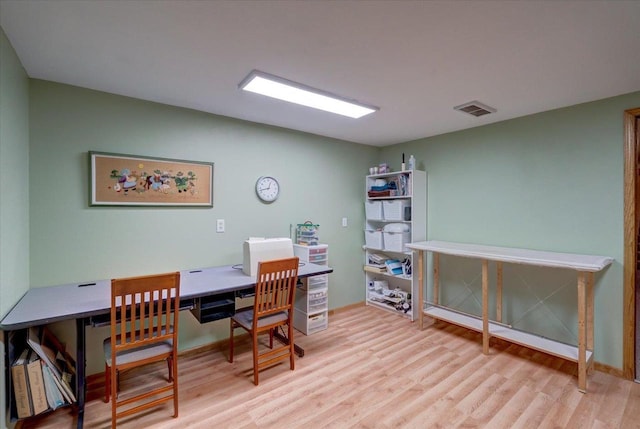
pixel 14 177
pixel 14 187
pixel 550 181
pixel 321 180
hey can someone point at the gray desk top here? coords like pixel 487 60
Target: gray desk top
pixel 43 305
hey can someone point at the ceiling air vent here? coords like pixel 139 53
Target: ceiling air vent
pixel 475 108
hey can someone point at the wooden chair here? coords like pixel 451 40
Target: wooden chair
pixel 144 329
pixel 273 307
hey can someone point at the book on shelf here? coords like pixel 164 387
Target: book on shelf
pixel 63 388
pixel 20 389
pixel 54 356
pixel 375 268
pixel 36 385
pixel 54 393
pixel 28 385
pixel 376 259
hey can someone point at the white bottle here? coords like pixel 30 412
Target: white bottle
pixel 412 163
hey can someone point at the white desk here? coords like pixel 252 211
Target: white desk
pixel 85 301
pixel 585 265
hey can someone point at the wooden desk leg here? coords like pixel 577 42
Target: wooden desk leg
pixel 582 334
pixel 485 306
pixel 498 291
pixel 421 290
pixel 436 278
pixel 590 319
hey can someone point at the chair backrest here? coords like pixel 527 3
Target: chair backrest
pixel 275 287
pixel 144 310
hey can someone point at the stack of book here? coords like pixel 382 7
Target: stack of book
pixel 42 375
pixel 376 263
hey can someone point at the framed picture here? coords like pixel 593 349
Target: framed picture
pixel 131 180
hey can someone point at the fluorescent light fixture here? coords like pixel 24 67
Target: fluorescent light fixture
pixel 283 89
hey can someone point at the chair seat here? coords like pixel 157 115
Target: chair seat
pixel 245 318
pixel 137 354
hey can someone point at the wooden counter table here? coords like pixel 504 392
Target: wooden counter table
pixel 585 265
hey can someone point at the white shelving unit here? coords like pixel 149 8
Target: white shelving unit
pixel 312 299
pixel 392 221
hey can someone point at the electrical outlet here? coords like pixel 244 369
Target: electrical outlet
pixel 220 225
pixel 344 222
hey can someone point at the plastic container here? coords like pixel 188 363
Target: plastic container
pixel 373 210
pixel 373 239
pixel 307 233
pixel 394 209
pixel 412 163
pixel 396 241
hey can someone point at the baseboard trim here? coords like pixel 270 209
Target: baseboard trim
pixel 346 308
pixel 608 369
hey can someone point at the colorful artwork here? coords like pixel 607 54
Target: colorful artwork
pixel 137 180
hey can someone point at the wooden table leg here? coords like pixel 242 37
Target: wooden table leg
pixel 590 318
pixel 498 291
pixel 485 306
pixel 582 333
pixel 436 277
pixel 421 290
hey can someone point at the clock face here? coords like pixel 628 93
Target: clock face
pixel 267 189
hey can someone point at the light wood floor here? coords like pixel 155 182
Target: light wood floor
pixel 372 369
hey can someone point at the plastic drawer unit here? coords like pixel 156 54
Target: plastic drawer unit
pixel 318 254
pixel 310 323
pixel 312 298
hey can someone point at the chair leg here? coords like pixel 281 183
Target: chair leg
pixel 254 336
pixel 170 365
pixel 292 354
pixel 174 364
pixel 114 394
pixel 107 383
pixel 231 342
pixel 271 338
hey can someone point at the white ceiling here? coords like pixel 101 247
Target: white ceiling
pixel 415 60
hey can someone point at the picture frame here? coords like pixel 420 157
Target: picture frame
pixel 136 180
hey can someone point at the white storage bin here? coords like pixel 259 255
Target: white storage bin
pixel 373 239
pixel 395 209
pixel 396 241
pixel 373 210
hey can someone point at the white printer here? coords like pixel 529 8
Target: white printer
pixel 264 249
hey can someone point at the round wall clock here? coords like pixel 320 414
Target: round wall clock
pixel 267 189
